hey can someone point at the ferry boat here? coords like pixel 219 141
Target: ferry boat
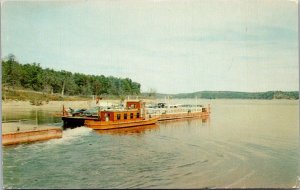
pixel 163 111
pixel 132 116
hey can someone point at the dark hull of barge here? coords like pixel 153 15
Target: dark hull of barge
pixel 75 121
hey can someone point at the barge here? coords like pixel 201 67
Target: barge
pixel 162 112
pixel 15 133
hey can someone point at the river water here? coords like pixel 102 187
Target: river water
pixel 244 143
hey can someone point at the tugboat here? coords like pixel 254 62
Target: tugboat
pixel 132 115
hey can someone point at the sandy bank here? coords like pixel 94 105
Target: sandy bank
pixel 52 105
pixel 55 105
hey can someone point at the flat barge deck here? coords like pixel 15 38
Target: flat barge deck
pixel 15 133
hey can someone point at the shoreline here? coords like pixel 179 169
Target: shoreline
pixel 57 105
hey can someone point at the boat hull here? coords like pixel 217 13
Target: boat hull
pixel 173 116
pixel 100 125
pixel 75 121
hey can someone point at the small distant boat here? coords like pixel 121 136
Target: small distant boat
pixel 132 115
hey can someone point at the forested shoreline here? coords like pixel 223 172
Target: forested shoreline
pixel 32 76
pixel 242 95
pixel 47 84
pixel 269 95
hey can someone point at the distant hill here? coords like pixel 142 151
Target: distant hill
pixel 235 95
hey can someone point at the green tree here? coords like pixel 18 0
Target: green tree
pixel 33 76
pixel 11 72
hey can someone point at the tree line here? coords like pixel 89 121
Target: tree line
pixel 32 76
pixel 240 95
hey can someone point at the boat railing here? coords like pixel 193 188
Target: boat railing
pixel 160 111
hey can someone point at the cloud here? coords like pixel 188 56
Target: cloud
pixel 170 46
pixel 294 1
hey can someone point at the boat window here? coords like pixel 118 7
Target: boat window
pixel 125 115
pixel 137 115
pixel 131 115
pixel 118 116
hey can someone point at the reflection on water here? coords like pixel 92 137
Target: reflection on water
pixel 204 121
pixel 143 129
pixel 242 144
pixel 129 130
pixel 31 116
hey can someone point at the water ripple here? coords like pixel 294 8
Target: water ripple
pixel 192 163
pixel 241 179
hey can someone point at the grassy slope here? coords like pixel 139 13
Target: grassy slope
pixel 37 98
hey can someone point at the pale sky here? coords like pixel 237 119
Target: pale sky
pixel 172 46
